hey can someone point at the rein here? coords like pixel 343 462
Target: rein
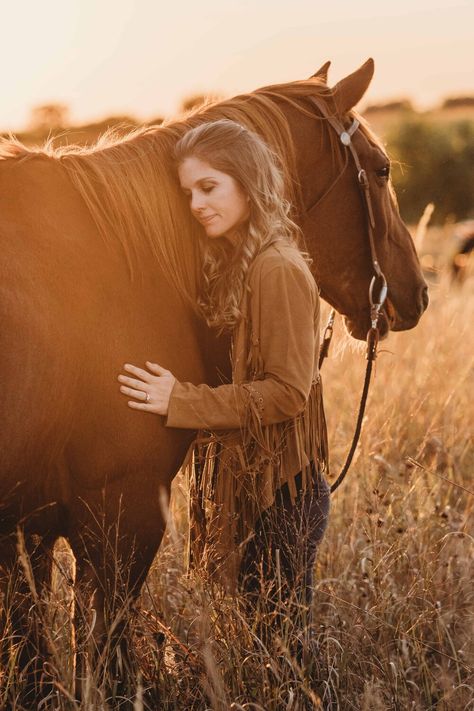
pixel 376 302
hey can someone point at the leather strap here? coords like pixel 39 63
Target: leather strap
pixel 345 136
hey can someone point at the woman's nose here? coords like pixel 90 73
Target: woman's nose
pixel 197 203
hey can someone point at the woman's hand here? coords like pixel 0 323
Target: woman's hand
pixel 151 390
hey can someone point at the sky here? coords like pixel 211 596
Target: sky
pixel 142 57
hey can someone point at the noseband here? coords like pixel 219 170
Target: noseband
pixel 376 301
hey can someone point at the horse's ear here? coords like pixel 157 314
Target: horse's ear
pixel 322 72
pixel 350 90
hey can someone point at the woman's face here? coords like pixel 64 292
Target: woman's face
pixel 216 199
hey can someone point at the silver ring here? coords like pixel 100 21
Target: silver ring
pixel 147 399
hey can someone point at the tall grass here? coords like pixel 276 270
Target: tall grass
pixel 394 601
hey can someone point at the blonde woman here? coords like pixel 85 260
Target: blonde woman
pixel 259 497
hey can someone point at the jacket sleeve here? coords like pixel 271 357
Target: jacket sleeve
pixel 287 301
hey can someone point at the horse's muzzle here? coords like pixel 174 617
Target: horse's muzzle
pixel 409 318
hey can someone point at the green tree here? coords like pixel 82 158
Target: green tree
pixel 436 164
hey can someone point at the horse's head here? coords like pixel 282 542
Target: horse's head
pixel 336 219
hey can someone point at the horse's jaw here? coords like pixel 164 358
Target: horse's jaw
pixel 358 327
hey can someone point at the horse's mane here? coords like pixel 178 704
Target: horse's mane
pixel 129 183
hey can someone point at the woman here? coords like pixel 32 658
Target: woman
pixel 259 498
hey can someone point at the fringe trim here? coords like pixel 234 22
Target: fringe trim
pixel 234 476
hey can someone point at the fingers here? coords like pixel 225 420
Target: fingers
pixel 142 374
pixel 140 406
pixel 140 388
pixel 138 394
pixel 137 384
pixel 155 368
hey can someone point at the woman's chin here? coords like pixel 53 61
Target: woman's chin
pixel 213 231
pixel 214 234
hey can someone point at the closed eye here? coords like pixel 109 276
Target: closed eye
pixel 204 190
pixel 383 172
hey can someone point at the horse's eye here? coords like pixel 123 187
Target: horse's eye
pixel 383 172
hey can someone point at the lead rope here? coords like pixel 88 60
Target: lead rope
pixel 372 342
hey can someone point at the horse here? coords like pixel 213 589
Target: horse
pixel 100 266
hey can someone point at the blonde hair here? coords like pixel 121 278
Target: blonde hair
pixel 235 150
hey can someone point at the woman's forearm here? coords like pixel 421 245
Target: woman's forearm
pixel 227 406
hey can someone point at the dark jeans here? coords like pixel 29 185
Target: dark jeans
pixel 277 568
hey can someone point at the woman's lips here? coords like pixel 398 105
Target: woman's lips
pixel 207 219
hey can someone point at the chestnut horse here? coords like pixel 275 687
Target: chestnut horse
pixel 98 267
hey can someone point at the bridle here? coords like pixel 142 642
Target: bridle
pixel 376 301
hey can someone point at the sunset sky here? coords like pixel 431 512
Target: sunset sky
pixel 141 57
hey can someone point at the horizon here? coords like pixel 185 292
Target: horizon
pixel 138 59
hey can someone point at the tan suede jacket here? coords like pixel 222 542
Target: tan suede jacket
pixel 268 424
pixel 284 310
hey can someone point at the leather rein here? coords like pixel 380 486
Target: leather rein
pixel 376 299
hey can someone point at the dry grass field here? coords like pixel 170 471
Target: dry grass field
pixel 395 597
pixel 394 604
